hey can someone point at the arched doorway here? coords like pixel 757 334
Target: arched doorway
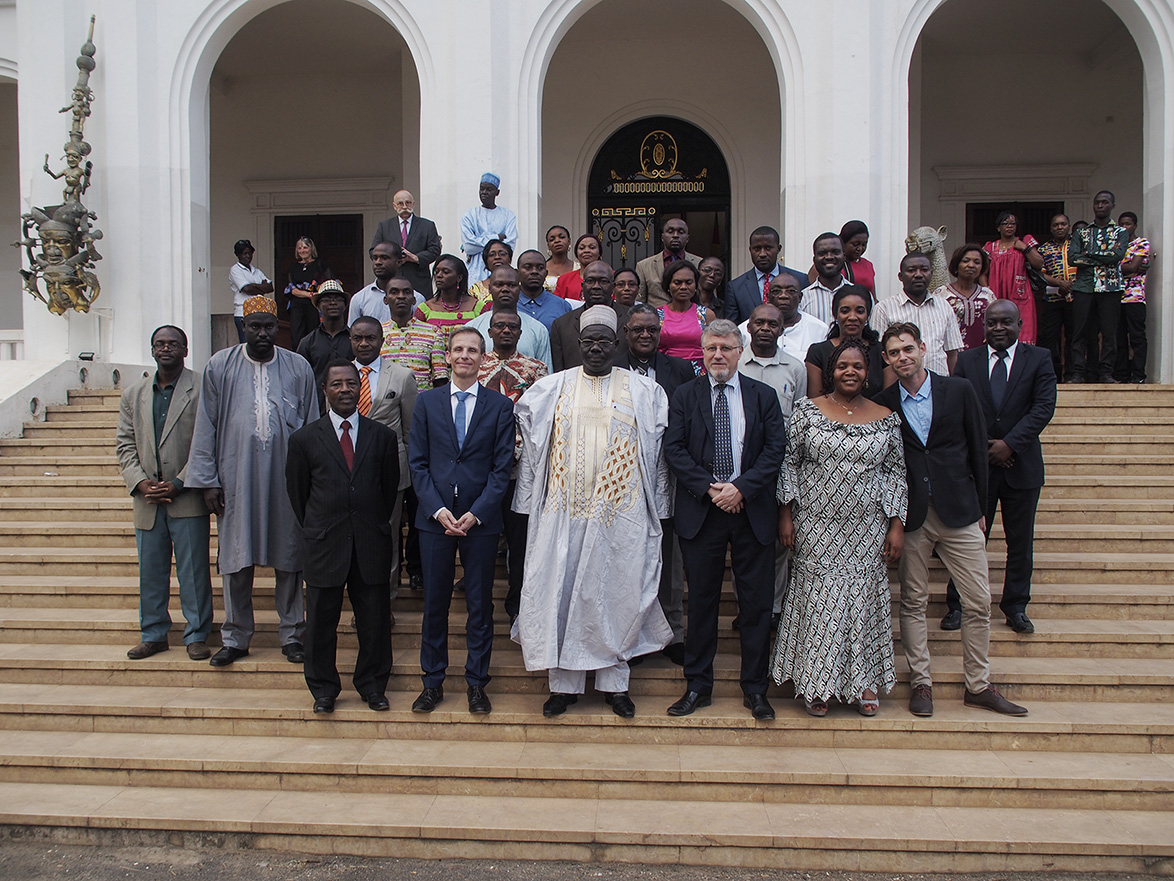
pixel 318 153
pixel 649 172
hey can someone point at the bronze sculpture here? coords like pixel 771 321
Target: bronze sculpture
pixel 59 239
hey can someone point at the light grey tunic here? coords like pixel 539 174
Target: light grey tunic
pixel 247 412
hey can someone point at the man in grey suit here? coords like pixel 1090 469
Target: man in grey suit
pixel 156 418
pixel 387 394
pixel 674 235
pixel 418 238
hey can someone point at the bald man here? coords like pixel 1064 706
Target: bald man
pixel 416 235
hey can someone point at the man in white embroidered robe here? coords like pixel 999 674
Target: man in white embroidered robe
pixel 594 482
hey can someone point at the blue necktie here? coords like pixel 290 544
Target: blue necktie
pixel 460 417
pixel 999 378
pixel 723 447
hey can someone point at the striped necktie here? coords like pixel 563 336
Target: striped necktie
pixel 365 390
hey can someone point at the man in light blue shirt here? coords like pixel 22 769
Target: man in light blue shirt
pixel 483 224
pixel 918 408
pixel 503 288
pixel 535 301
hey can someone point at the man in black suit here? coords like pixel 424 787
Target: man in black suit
pixel 342 476
pixel 642 330
pixel 1016 386
pixel 461 452
pixel 598 281
pixel 418 238
pixel 946 464
pixel 725 443
pixel 750 288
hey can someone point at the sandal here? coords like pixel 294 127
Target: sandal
pixel 815 708
pixel 868 706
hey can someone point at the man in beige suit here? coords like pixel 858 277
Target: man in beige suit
pixel 155 422
pixel 387 394
pixel 674 235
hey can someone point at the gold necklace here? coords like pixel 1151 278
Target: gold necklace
pixel 836 401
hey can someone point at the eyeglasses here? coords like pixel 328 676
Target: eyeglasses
pixel 724 350
pixel 644 331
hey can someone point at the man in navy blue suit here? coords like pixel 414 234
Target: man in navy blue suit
pixel 461 451
pixel 725 443
pixel 750 288
pixel 1018 400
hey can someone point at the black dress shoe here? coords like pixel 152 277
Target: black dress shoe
pixel 689 702
pixel 479 701
pixel 428 700
pixel 1020 623
pixel 294 653
pixel 675 653
pixel 416 582
pixel 759 706
pixel 377 702
pixel 621 704
pixel 952 620
pixel 226 656
pixel 557 704
pixel 774 622
pixel 638 660
pixel 324 705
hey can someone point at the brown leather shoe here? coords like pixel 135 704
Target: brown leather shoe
pixel 921 701
pixel 199 651
pixel 990 699
pixel 146 649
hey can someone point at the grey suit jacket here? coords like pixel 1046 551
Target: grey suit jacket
pixel 423 241
pixel 650 270
pixel 392 401
pixel 135 444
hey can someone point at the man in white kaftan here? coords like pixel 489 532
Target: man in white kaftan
pixel 254 397
pixel 486 223
pixel 593 479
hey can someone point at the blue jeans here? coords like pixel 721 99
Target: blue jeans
pixel 240 327
pixel 189 537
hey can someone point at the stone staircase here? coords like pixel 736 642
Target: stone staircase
pixel 97 748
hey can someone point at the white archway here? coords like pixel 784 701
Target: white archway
pixel 557 19
pixel 189 284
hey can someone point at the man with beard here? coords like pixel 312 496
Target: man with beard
pixel 372 300
pixel 674 236
pixel 828 253
pixel 534 341
pixel 564 332
pixel 800 330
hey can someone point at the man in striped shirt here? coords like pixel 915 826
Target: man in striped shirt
pixel 415 344
pixel 933 316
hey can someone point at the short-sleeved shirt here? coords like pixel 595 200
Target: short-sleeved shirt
pixel 418 347
pixel 1055 257
pixel 1135 284
pixel 935 319
pixel 240 276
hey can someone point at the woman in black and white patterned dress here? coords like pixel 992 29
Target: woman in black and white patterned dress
pixel 843 495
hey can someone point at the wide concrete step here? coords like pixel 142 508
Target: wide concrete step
pixel 742 774
pixel 1088 421
pixel 1092 511
pixel 1118 464
pixel 1116 680
pixel 1053 725
pixel 769 835
pixel 97 414
pixel 105 486
pixel 1107 444
pixel 1104 486
pixel 90 429
pixel 86 446
pixel 58 466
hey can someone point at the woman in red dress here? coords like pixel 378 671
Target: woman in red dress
pixel 1010 256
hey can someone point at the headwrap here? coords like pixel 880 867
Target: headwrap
pixel 329 286
pixel 490 178
pixel 600 314
pixel 254 305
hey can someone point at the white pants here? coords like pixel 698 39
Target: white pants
pixel 607 679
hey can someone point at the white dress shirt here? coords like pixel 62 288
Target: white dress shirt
pixel 993 359
pixel 470 402
pixel 337 421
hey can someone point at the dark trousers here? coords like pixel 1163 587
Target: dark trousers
pixel 1132 346
pixel 1093 314
pixel 515 543
pixel 410 553
pixel 438 557
pixel 1018 506
pixel 1055 333
pixel 705 565
pixel 303 318
pixel 372 607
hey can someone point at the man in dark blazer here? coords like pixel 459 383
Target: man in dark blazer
pixel 598 282
pixel 642 331
pixel 342 476
pixel 749 289
pixel 461 452
pixel 1018 399
pixel 946 466
pixel 725 443
pixel 418 238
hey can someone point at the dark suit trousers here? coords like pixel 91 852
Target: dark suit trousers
pixel 1018 507
pixel 1054 318
pixel 372 607
pixel 411 545
pixel 515 542
pixel 438 557
pixel 1093 314
pixel 1132 347
pixel 705 566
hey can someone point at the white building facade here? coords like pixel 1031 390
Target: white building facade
pixel 215 121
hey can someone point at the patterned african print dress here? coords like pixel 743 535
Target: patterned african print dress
pixel 845 481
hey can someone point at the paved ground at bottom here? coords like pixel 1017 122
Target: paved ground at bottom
pixel 44 860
